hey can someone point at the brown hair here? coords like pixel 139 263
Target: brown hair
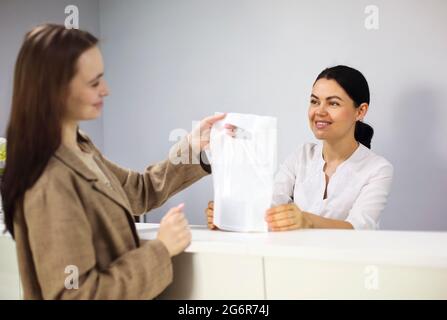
pixel 45 66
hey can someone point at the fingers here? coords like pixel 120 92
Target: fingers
pixel 175 210
pixel 212 226
pixel 230 126
pixel 210 218
pixel 288 228
pixel 231 133
pixel 212 119
pixel 177 221
pixel 280 208
pixel 176 216
pixel 286 222
pixel 280 215
pixel 284 217
pixel 230 130
pixel 209 211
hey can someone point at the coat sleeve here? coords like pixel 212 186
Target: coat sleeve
pixel 61 242
pixel 150 189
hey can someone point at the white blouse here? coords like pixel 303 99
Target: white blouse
pixel 357 191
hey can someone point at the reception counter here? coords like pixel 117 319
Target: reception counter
pixel 309 264
pixel 305 264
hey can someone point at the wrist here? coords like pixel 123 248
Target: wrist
pixel 307 221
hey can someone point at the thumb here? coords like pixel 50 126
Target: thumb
pixel 175 210
pixel 213 119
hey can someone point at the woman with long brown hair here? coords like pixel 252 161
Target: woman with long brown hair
pixel 69 209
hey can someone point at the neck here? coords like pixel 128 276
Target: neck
pixel 69 135
pixel 340 150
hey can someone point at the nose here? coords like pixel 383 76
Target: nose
pixel 105 89
pixel 321 110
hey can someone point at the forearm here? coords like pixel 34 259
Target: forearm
pixel 150 189
pixel 140 274
pixel 325 223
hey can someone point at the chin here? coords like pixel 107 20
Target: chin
pixel 319 136
pixel 89 117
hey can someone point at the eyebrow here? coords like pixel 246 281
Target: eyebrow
pixel 328 98
pixel 334 97
pixel 96 78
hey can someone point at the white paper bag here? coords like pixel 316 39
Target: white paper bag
pixel 243 170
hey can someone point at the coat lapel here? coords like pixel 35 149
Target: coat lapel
pixel 111 191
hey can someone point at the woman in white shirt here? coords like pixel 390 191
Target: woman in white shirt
pixel 341 183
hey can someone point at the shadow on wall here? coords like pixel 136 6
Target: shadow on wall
pixel 418 199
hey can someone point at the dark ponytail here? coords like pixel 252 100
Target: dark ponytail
pixel 356 86
pixel 363 133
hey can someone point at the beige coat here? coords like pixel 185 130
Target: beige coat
pixel 72 223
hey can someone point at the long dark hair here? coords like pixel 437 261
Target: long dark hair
pixel 356 86
pixel 45 66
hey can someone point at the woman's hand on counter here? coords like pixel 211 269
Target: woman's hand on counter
pixel 287 217
pixel 290 217
pixel 281 218
pixel 174 231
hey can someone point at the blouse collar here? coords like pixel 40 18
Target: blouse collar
pixel 358 155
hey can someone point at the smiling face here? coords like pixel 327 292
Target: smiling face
pixel 332 113
pixel 87 88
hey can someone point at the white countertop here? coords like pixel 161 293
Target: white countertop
pixel 403 248
pixel 427 249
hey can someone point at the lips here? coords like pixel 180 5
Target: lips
pixel 99 104
pixel 322 124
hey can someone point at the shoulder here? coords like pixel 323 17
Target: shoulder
pixel 310 150
pixel 375 163
pixel 302 155
pixel 56 181
pixel 304 152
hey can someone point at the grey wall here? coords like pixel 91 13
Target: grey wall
pixel 170 62
pixel 19 16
